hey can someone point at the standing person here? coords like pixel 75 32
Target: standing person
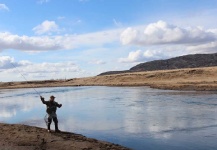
pixel 51 111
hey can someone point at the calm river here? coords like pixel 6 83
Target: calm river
pixel 136 117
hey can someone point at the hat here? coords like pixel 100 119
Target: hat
pixel 52 96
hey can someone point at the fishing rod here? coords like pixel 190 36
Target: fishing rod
pixel 25 79
pixel 46 116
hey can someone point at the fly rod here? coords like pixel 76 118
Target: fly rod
pixel 26 79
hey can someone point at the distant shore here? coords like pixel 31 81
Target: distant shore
pixel 23 137
pixel 199 79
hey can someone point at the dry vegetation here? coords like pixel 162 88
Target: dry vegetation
pixel 180 79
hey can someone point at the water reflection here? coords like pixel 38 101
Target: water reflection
pixel 138 117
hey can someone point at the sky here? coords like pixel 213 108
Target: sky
pixel 53 39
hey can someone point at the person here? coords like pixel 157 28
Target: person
pixel 51 112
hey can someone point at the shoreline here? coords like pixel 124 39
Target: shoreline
pixel 24 137
pixel 195 79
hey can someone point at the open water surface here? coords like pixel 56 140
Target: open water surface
pixel 136 117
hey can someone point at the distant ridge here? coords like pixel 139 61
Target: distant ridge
pixel 187 61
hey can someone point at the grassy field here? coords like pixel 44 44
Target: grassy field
pixel 178 79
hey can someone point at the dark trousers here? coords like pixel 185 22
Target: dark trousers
pixel 55 120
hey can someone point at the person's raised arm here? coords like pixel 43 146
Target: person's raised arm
pixel 42 100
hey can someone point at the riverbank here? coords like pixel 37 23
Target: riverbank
pixel 23 137
pixel 200 79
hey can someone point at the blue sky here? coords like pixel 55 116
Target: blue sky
pixel 53 39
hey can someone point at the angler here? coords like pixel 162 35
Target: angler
pixel 51 107
pixel 51 112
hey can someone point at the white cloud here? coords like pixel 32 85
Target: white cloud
pixel 157 34
pixel 46 68
pixel 163 33
pixel 203 48
pixel 142 56
pixel 135 56
pixel 4 7
pixel 46 27
pixel 10 69
pixel 45 43
pixel 25 43
pixel 129 36
pixel 7 62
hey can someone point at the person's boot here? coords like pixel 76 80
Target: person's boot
pixel 56 128
pixel 48 127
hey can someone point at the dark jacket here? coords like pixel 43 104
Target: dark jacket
pixel 51 106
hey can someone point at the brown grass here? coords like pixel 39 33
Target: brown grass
pixel 179 79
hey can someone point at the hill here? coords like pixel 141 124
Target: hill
pixel 187 61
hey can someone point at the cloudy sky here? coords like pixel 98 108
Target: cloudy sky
pixel 53 39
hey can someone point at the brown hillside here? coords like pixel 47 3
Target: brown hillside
pixel 177 79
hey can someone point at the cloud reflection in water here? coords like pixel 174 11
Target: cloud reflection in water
pixel 121 112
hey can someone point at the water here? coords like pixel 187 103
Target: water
pixel 137 117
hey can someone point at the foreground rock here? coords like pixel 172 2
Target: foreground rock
pixel 23 137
